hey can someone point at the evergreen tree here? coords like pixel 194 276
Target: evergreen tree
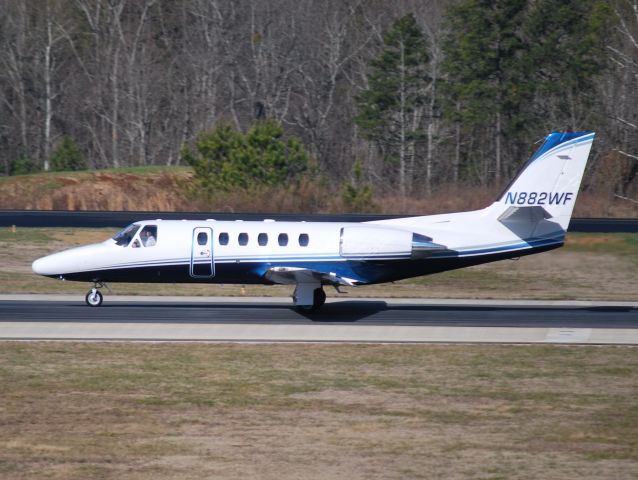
pixel 356 194
pixel 390 110
pixel 67 156
pixel 485 83
pixel 227 159
pixel 518 68
pixel 23 165
pixel 566 53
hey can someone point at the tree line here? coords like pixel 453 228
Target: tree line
pixel 398 96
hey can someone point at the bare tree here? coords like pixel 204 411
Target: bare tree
pixel 53 36
pixel 621 90
pixel 325 81
pixel 16 70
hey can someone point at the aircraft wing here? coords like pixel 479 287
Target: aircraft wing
pixel 295 275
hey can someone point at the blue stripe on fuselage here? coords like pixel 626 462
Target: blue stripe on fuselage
pixel 370 271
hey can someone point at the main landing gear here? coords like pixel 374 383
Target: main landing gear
pixel 94 297
pixel 309 296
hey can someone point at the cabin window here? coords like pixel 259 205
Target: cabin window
pixel 124 237
pixel 262 239
pixel 202 238
pixel 223 238
pixel 303 239
pixel 283 239
pixel 148 235
pixel 243 239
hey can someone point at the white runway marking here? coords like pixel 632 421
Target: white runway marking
pixel 179 332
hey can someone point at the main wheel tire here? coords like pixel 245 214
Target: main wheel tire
pixel 94 299
pixel 318 298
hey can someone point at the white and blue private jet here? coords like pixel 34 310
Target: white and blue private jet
pixel 530 217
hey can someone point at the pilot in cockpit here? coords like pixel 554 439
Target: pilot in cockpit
pixel 148 240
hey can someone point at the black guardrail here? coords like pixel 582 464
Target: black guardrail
pixel 604 225
pixel 49 218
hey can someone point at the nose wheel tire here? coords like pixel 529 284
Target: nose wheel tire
pixel 94 298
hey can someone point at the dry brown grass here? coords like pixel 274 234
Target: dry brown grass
pixel 144 411
pixel 160 191
pixel 171 190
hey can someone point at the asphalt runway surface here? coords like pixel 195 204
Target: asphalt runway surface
pixel 359 312
pixel 340 320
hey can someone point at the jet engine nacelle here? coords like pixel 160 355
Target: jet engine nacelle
pixel 372 242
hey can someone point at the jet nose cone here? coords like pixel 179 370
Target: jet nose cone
pixel 43 266
pixel 73 260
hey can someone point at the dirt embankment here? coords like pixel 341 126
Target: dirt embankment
pixel 171 190
pixel 163 191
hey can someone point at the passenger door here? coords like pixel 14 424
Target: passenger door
pixel 202 264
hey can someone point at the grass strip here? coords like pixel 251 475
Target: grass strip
pixel 195 411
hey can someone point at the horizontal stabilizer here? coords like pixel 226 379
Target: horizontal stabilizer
pixel 517 215
pixel 528 222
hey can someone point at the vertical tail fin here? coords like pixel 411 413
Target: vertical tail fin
pixel 551 178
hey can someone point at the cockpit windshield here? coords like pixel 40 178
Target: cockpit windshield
pixel 124 237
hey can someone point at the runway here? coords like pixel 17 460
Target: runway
pixel 39 317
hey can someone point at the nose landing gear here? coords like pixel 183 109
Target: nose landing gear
pixel 94 297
